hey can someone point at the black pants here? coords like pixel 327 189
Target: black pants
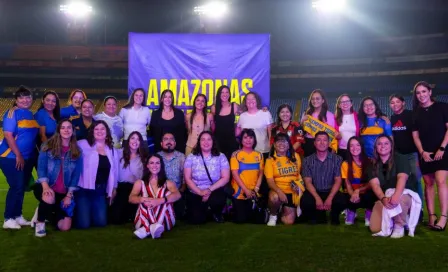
pixel 179 207
pixel 50 212
pixel 242 211
pixel 121 210
pixel 309 211
pixel 197 210
pixel 367 201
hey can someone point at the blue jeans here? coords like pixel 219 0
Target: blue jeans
pixel 91 207
pixel 413 161
pixel 18 181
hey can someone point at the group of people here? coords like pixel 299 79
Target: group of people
pixel 97 169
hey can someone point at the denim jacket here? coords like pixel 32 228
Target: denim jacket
pixel 48 169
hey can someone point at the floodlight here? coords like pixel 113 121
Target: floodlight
pixel 212 9
pixel 329 6
pixel 77 9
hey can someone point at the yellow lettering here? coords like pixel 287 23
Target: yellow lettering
pixel 234 91
pixel 184 94
pixel 246 86
pixel 197 85
pixel 153 95
pixel 169 84
pixel 207 87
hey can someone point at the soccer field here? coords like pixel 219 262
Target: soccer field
pixel 219 247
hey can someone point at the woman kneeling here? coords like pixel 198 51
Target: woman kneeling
pixel 282 173
pixel 155 196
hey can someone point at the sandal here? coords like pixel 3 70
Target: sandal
pixel 439 228
pixel 435 221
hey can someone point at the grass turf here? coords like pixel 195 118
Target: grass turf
pixel 219 247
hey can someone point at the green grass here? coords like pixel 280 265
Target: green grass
pixel 219 247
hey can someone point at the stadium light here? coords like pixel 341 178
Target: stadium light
pixel 215 9
pixel 77 9
pixel 329 6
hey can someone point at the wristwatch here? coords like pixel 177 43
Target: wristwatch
pixel 442 148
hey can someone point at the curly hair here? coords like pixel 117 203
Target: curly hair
pixel 197 149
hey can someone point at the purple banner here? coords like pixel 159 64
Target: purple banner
pixel 189 64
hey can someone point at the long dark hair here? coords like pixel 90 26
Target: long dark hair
pixel 323 112
pixel 197 151
pixel 415 102
pixel 218 102
pixel 141 151
pixel 257 97
pixel 338 112
pixel 204 110
pixel 251 133
pixel 91 138
pixel 163 95
pixel 363 117
pixel 279 109
pixel 54 144
pixel 57 109
pixel 130 103
pixel 362 157
pixel 291 154
pixel 161 176
pixel 377 159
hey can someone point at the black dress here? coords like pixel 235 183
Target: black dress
pixel 225 133
pixel 175 125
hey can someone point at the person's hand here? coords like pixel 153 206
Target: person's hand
pixel 205 192
pixel 386 203
pixel 48 194
pixel 282 197
pixel 305 118
pixel 20 162
pixel 66 201
pixel 338 136
pixel 319 204
pixel 327 204
pixel 112 197
pixel 256 190
pixel 427 156
pixel 153 202
pixel 439 155
pixel 394 200
pixel 355 197
pixel 145 200
pixel 205 198
pixel 249 193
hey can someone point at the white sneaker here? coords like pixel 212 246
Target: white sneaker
pixel 367 222
pixel 272 221
pixel 156 230
pixel 22 221
pixel 141 233
pixel 299 211
pixel 34 219
pixel 39 231
pixel 11 224
pixel 397 233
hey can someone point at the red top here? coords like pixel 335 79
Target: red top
pixel 294 131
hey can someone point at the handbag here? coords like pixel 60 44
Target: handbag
pixel 228 190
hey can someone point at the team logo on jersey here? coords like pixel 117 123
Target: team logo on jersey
pixel 398 126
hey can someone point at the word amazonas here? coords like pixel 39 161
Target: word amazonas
pixel 185 90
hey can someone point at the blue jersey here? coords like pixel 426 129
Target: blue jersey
pixel 375 127
pixel 21 123
pixel 68 112
pixel 44 120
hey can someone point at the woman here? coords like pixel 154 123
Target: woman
pixel 317 108
pixel 168 119
pixel 130 169
pixel 154 195
pixel 289 127
pixel 258 120
pixel 74 104
pixel 224 113
pixel 17 155
pixel 390 170
pixel 115 123
pixel 48 116
pixel 135 115
pixel 59 169
pixel 99 177
pixel 247 167
pixel 282 171
pixel 206 172
pixel 347 124
pixel 83 122
pixel 373 123
pixel 353 173
pixel 431 138
pixel 198 120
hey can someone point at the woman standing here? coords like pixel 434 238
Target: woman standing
pixel 317 108
pixel 154 195
pixel 83 122
pixel 373 124
pixel 289 127
pixel 135 115
pixel 206 172
pixel 168 119
pixel 224 112
pixel 99 177
pixel 347 124
pixel 17 155
pixel 131 160
pixel 115 123
pixel 198 120
pixel 47 116
pixel 431 138
pixel 74 104
pixel 59 169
